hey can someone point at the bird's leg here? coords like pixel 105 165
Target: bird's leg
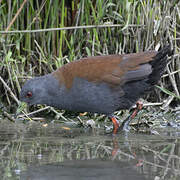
pixel 139 106
pixel 125 124
pixel 115 124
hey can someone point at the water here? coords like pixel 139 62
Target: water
pixel 35 152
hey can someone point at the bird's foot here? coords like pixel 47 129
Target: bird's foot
pixel 139 106
pixel 125 125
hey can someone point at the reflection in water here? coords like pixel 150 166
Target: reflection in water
pixel 84 170
pixel 50 153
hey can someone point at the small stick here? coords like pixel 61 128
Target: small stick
pixel 9 89
pixel 71 28
pixel 150 104
pixel 8 116
pixel 34 112
pixel 16 15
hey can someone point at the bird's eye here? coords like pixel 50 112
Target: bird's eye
pixel 29 94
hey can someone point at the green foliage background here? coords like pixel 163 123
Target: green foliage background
pixel 145 24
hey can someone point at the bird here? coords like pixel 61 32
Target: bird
pixel 99 84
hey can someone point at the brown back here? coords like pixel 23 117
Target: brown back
pixel 109 69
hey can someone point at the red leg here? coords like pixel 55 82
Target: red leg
pixel 139 106
pixel 115 124
pixel 125 124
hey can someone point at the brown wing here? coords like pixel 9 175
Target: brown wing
pixel 111 69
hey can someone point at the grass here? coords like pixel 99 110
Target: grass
pixel 30 54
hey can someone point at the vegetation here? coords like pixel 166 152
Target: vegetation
pixel 28 47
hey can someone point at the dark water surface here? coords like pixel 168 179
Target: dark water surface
pixel 34 152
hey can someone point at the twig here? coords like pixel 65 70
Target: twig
pixel 167 102
pixel 9 89
pixel 16 15
pixel 70 28
pixel 25 77
pixel 174 72
pixel 52 109
pixel 150 104
pixel 34 112
pixel 173 82
pixel 8 116
pixel 153 104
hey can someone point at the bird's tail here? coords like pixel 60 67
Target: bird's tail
pixel 159 63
